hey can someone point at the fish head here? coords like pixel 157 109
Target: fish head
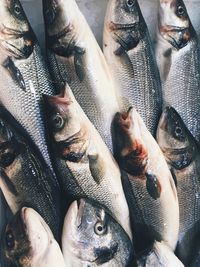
pixel 25 237
pixel 174 23
pixel 16 34
pixel 174 139
pixel 129 148
pixel 91 235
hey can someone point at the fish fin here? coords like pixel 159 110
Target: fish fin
pixel 174 177
pixel 96 168
pixel 153 185
pixel 79 64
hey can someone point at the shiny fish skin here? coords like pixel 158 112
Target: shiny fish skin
pixel 159 256
pixel 85 166
pixel 182 154
pixel 129 54
pixel 153 201
pixel 75 57
pixel 91 237
pixel 27 241
pixel 23 75
pixel 25 179
pixel 178 57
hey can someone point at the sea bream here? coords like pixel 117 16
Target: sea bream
pixel 23 75
pixel 183 156
pixel 150 189
pixel 75 57
pixel 27 241
pixel 91 237
pixel 178 57
pixel 129 53
pixel 25 179
pixel 85 166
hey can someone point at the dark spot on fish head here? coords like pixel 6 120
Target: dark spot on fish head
pixel 153 186
pixel 50 10
pixel 5 132
pixel 105 254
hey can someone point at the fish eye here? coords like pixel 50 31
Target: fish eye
pixel 17 9
pixel 180 10
pixel 100 229
pixel 57 121
pixel 130 3
pixel 10 240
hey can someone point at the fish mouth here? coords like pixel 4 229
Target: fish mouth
pixel 124 119
pixel 55 37
pixel 118 26
pixel 13 33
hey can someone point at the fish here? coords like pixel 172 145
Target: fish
pixel 28 241
pixel 182 154
pixel 85 166
pixel 150 188
pixel 75 57
pixel 23 74
pixel 129 53
pixel 91 237
pixel 159 256
pixel 178 57
pixel 25 179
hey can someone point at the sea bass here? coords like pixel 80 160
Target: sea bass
pixel 153 201
pixel 75 57
pixel 178 56
pixel 183 156
pixel 91 237
pixel 159 256
pixel 23 75
pixel 129 54
pixel 28 242
pixel 85 166
pixel 25 179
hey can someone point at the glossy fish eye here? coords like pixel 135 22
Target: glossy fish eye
pixel 100 229
pixel 17 9
pixel 57 121
pixel 10 240
pixel 180 10
pixel 130 3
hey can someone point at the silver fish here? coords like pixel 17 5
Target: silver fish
pixel 85 165
pixel 159 255
pixel 151 191
pixel 25 179
pixel 178 57
pixel 129 54
pixel 75 57
pixel 91 237
pixel 28 242
pixel 23 75
pixel 183 156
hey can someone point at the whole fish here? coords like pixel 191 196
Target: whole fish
pixel 151 191
pixel 91 237
pixel 75 57
pixel 159 256
pixel 24 178
pixel 85 165
pixel 23 75
pixel 183 156
pixel 27 241
pixel 178 56
pixel 129 54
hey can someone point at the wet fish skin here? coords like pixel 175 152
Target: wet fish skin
pixel 28 241
pixel 25 179
pixel 23 74
pixel 178 57
pixel 75 57
pixel 182 154
pixel 151 191
pixel 92 237
pixel 85 166
pixel 159 256
pixel 129 54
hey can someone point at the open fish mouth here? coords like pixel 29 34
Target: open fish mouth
pixel 13 33
pixel 171 28
pixel 118 26
pixel 61 34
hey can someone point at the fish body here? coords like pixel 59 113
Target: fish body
pixel 85 166
pixel 75 57
pixel 28 241
pixel 91 237
pixel 183 157
pixel 129 54
pixel 178 57
pixel 151 191
pixel 23 75
pixel 159 256
pixel 25 179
